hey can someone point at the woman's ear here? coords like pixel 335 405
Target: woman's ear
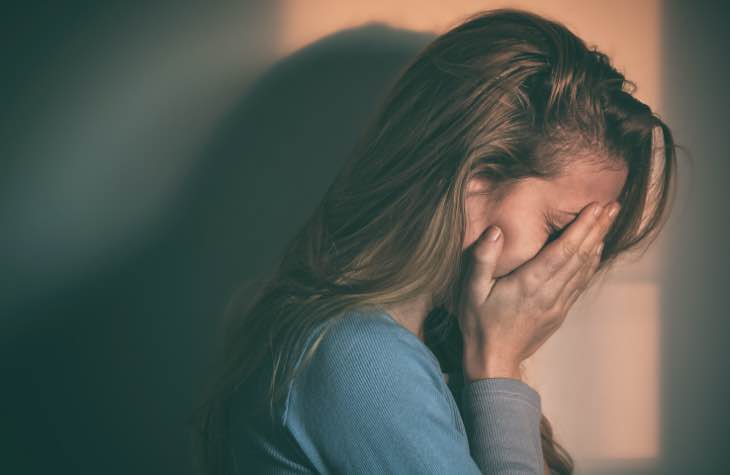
pixel 478 208
pixel 477 184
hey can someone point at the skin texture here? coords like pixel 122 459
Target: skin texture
pixel 522 214
pixel 505 320
pixel 525 208
pixel 518 292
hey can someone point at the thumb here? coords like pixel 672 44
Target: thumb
pixel 485 254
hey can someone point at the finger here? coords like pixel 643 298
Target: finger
pixel 561 251
pixel 485 253
pixel 584 255
pixel 568 278
pixel 576 286
pixel 605 221
pixel 567 304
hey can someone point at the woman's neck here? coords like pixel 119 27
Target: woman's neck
pixel 411 314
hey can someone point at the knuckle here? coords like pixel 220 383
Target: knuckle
pixel 552 320
pixel 553 264
pixel 545 300
pixel 563 311
pixel 557 320
pixel 569 248
pixel 595 263
pixel 528 284
pixel 481 255
pixel 585 255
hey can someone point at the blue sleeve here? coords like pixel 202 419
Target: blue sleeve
pixel 373 400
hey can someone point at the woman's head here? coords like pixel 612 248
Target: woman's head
pixel 506 119
pixel 568 132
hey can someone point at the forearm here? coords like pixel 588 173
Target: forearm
pixel 502 419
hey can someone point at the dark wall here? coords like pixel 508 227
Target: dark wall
pixel 111 285
pixel 695 310
pixel 160 162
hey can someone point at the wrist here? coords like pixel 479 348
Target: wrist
pixel 494 373
pixel 483 368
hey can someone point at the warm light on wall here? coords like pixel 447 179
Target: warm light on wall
pixel 599 374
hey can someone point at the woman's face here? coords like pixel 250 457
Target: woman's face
pixel 531 206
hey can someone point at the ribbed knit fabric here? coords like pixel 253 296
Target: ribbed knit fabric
pixel 373 400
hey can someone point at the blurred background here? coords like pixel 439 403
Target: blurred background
pixel 157 154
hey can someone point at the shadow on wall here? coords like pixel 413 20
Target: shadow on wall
pixel 110 379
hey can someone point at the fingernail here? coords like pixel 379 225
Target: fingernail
pixel 597 210
pixel 614 209
pixel 493 233
pixel 599 249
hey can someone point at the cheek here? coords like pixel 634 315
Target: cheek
pixel 524 231
pixel 522 242
pixel 478 212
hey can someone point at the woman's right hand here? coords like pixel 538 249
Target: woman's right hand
pixel 504 321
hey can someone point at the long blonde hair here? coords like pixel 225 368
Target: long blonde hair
pixel 506 94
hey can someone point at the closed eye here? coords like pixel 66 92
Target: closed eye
pixel 554 230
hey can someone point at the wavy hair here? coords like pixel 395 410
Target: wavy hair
pixel 506 94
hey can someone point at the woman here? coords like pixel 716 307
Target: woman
pixel 508 165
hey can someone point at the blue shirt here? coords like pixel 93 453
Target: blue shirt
pixel 374 400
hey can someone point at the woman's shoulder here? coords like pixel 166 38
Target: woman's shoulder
pixel 363 351
pixel 365 336
pixel 370 390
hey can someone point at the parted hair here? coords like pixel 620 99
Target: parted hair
pixel 504 95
